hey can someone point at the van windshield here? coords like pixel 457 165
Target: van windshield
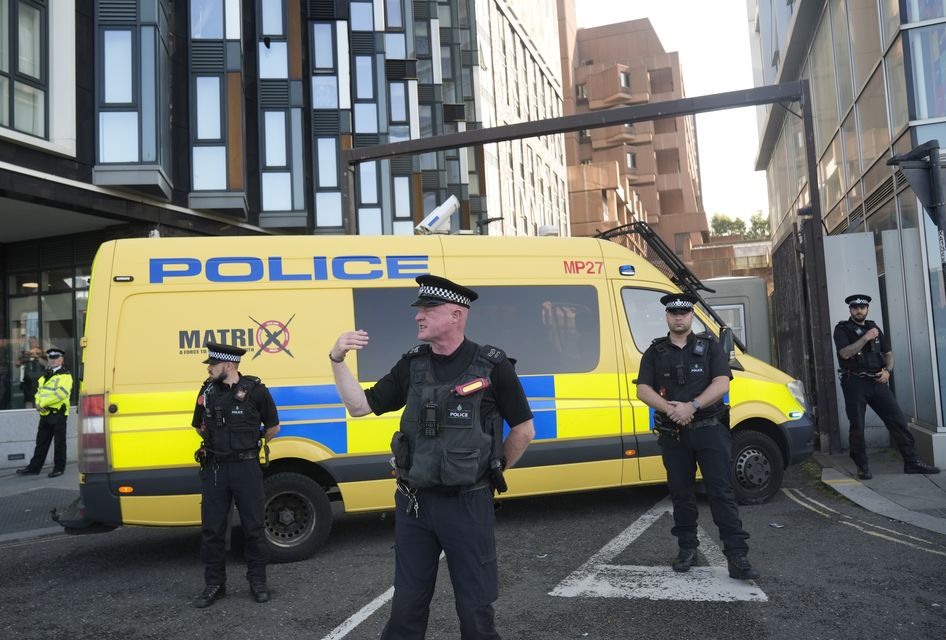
pixel 646 316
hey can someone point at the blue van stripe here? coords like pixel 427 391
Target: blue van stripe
pixel 538 405
pixel 311 414
pixel 333 435
pixel 546 425
pixel 303 395
pixel 538 386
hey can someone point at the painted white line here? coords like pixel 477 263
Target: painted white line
pixel 599 578
pixel 362 614
pixel 892 539
pixel 806 506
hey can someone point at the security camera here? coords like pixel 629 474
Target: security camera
pixel 438 220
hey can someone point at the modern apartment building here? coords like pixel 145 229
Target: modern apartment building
pixel 876 69
pixel 123 118
pixel 620 65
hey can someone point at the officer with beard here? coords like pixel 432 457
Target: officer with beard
pixel 235 415
pixel 866 363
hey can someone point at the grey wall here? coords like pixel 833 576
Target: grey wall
pixel 18 437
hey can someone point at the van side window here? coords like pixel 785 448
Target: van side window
pixel 646 316
pixel 546 329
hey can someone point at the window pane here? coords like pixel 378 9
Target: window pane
pixel 395 46
pixel 395 14
pixel 872 108
pixel 273 60
pixel 422 38
pixel 865 38
pixel 364 80
pixel 56 280
pixel 842 53
pixel 928 46
pixel 403 228
pixel 272 17
pixel 4 35
pixel 4 102
pixel 275 134
pixel 548 329
pixel 896 81
pixel 926 10
pixel 208 108
pixel 891 9
pixel 369 222
pixel 398 102
pixel 29 55
pixel 328 163
pixel 324 92
pixel 59 325
pixel 324 46
pixel 118 59
pixel 362 16
pixel 277 192
pixel 824 86
pixel 328 209
pixel 402 197
pixel 233 19
pixel 118 136
pixel 366 118
pixel 26 357
pixel 368 180
pixel 210 168
pixel 206 19
pixel 646 316
pixel 399 134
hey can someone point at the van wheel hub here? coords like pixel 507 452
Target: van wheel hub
pixel 289 518
pixel 286 517
pixel 753 468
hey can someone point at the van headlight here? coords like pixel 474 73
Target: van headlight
pixel 797 389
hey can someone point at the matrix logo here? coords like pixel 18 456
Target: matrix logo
pixel 268 336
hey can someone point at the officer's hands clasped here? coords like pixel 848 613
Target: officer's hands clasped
pixel 681 412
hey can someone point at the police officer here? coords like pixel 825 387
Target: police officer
pixel 866 363
pixel 52 402
pixel 683 377
pixel 230 409
pixel 448 454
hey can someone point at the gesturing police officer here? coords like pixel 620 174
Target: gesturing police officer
pixel 866 362
pixel 447 453
pixel 230 409
pixel 52 402
pixel 684 377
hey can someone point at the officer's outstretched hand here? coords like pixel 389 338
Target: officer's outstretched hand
pixel 347 341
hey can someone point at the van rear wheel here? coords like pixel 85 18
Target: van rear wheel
pixel 297 516
pixel 758 467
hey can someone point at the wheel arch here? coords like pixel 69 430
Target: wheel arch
pixel 770 429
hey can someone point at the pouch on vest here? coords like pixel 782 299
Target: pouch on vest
pixel 401 448
pixel 460 467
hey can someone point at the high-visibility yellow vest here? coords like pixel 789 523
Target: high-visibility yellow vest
pixel 53 393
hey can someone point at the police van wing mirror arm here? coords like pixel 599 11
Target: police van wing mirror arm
pixel 726 340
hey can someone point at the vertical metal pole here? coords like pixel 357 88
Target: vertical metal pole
pixel 939 206
pixel 820 317
pixel 348 194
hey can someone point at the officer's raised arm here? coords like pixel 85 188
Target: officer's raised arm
pixel 348 388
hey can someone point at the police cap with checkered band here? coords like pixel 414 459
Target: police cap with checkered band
pixel 678 301
pixel 435 290
pixel 857 300
pixel 217 353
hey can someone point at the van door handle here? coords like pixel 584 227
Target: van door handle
pixel 113 408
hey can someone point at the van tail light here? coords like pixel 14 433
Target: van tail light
pixel 93 455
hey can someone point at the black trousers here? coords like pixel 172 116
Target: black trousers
pixel 462 527
pixel 222 484
pixel 860 393
pixel 711 447
pixel 52 428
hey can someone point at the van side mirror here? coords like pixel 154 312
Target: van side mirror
pixel 726 342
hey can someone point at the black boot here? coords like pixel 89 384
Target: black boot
pixel 863 472
pixel 210 594
pixel 26 471
pixel 684 559
pixel 740 569
pixel 259 591
pixel 918 466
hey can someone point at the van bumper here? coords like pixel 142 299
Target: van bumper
pixel 799 435
pixel 96 510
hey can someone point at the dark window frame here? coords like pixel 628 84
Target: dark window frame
pixel 13 74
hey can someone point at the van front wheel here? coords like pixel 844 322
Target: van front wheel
pixel 758 467
pixel 297 516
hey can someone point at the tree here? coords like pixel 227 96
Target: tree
pixel 758 226
pixel 723 225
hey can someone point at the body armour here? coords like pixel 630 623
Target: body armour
pixel 869 359
pixel 233 422
pixel 450 440
pixel 683 377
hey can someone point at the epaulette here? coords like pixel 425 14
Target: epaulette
pixel 493 354
pixel 252 379
pixel 419 350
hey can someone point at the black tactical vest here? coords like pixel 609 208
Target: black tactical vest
pixel 456 451
pixel 871 358
pixel 233 422
pixel 683 374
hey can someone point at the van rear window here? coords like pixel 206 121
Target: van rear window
pixel 546 329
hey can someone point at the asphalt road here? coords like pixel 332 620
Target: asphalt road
pixel 578 566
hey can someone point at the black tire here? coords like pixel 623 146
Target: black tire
pixel 758 467
pixel 297 516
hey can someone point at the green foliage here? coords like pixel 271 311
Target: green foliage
pixel 723 225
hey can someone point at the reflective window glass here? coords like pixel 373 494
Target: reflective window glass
pixel 399 133
pixel 824 86
pixel 398 97
pixel 422 38
pixel 328 162
pixel 324 92
pixel 403 228
pixel 323 45
pixel 865 38
pixel 928 53
pixel 26 358
pixel 118 136
pixel 273 61
pixel 891 12
pixel 842 53
pixel 328 209
pixel 208 108
pixel 59 326
pixel 919 10
pixel 4 36
pixel 275 134
pixel 57 280
pixel 872 113
pixel 395 13
pixel 118 59
pixel 29 41
pixel 29 109
pixel 277 191
pixel 896 83
pixel 206 19
pixel 647 318
pixel 272 17
pixel 366 118
pixel 364 78
pixel 210 168
pixel 395 46
pixel 362 16
pixel 4 102
pixel 368 180
pixel 369 222
pixel 402 197
pixel 233 19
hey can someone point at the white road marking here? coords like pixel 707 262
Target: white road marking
pixel 598 577
pixel 362 614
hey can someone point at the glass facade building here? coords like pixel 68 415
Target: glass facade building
pixel 877 71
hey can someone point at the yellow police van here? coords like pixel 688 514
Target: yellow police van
pixel 575 313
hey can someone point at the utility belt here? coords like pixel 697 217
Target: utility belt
pixel 847 374
pixel 233 457
pixel 452 492
pixel 667 427
pixel 60 410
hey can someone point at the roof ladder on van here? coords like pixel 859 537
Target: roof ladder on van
pixel 673 267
